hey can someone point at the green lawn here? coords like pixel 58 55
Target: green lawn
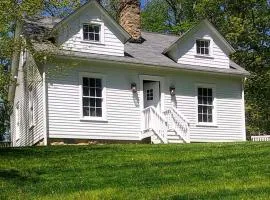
pixel 191 171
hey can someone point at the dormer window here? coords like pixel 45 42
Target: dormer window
pixel 203 47
pixel 91 32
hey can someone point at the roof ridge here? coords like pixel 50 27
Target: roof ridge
pixel 158 33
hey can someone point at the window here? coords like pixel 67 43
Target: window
pixel 91 32
pixel 31 107
pixel 203 47
pixel 92 97
pixel 149 95
pixel 205 105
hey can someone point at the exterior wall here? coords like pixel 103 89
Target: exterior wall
pixel 71 35
pixel 28 74
pixel 123 107
pixel 185 52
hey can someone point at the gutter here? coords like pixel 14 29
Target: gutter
pixel 188 69
pixel 15 62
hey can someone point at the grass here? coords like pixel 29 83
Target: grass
pixel 192 171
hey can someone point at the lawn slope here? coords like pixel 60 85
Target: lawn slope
pixel 191 171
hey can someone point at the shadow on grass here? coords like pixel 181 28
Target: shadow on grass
pixel 17 176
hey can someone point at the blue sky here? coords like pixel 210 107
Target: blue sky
pixel 143 2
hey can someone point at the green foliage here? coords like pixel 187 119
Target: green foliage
pixel 154 16
pixel 5 108
pixel 12 13
pixel 193 171
pixel 246 25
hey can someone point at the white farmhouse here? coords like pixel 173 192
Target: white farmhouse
pixel 111 82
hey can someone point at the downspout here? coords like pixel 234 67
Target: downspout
pixel 15 61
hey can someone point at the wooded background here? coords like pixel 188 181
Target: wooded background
pixel 244 23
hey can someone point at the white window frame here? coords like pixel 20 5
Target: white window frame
pixel 211 52
pixel 214 111
pixel 102 35
pixel 104 99
pixel 31 104
pixel 17 122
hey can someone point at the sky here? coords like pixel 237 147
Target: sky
pixel 143 2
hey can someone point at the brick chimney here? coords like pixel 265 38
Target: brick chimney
pixel 130 19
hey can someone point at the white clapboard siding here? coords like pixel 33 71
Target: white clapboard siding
pixel 123 109
pixel 185 52
pixel 29 74
pixel 70 36
pixel 123 116
pixel 229 125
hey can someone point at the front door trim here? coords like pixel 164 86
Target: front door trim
pixel 141 97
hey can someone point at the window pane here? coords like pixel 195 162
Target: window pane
pixel 204 118
pixel 91 36
pixel 209 110
pixel 85 91
pixel 85 111
pixel 204 109
pixel 204 91
pixel 99 112
pixel 96 37
pixel 200 109
pixel 99 103
pixel 209 92
pixel 92 112
pixel 92 102
pixel 92 82
pixel 85 36
pixel 92 92
pixel 210 101
pixel 210 118
pixel 85 28
pixel 206 51
pixel 85 102
pixel 207 43
pixel 202 51
pixel 91 29
pixel 200 117
pixel 96 28
pixel 202 43
pixel 205 100
pixel 200 100
pixel 98 83
pixel 98 92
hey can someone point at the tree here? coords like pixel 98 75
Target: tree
pixel 13 13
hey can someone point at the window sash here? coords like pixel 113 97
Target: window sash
pixel 91 32
pixel 203 47
pixel 205 105
pixel 92 104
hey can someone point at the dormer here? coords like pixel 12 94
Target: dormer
pixel 90 29
pixel 203 45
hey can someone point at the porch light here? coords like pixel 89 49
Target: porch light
pixel 133 87
pixel 172 90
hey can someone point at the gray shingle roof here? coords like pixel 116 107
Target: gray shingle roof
pixel 148 53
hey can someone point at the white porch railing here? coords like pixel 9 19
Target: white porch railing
pixel 178 123
pixel 154 121
pixel 260 138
